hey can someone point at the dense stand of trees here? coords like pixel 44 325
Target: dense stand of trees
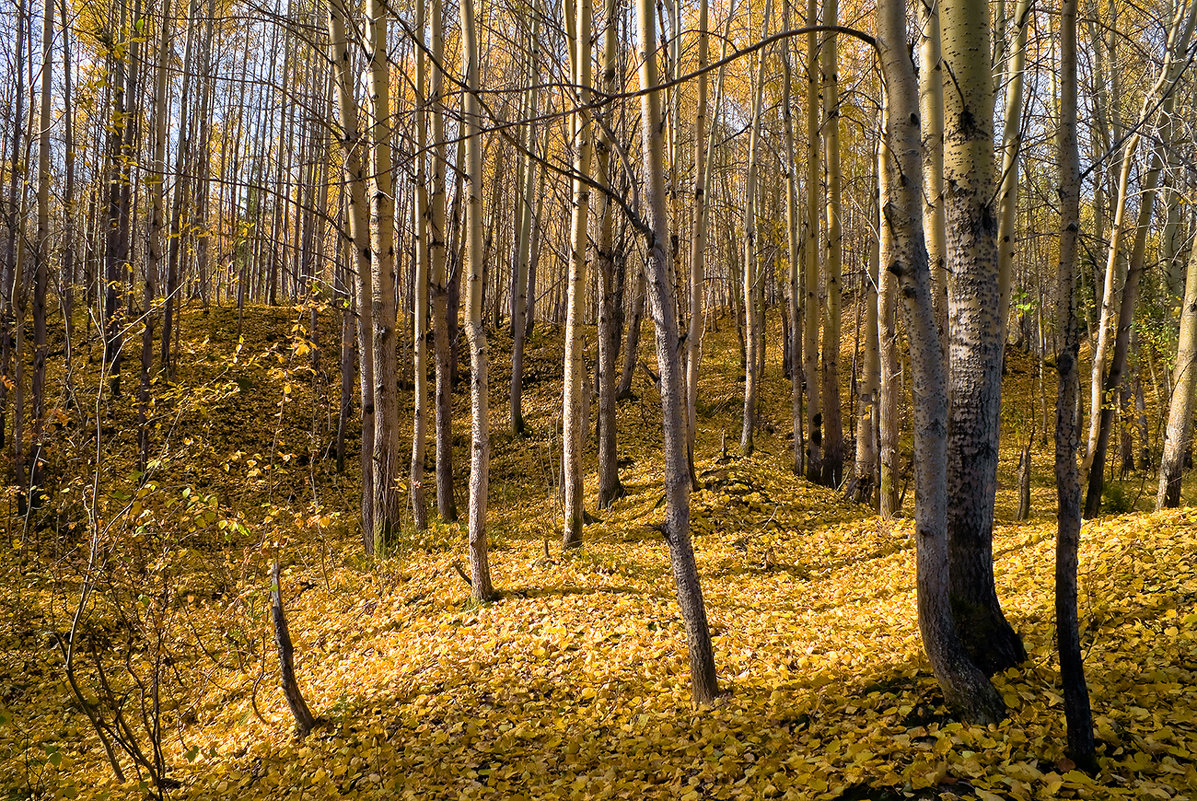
pixel 436 178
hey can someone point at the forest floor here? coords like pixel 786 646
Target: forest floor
pixel 574 683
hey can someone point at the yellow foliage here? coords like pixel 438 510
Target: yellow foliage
pixel 574 683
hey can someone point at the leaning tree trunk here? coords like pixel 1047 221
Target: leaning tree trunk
pixel 1178 433
pixel 705 686
pixel 974 334
pixel 305 721
pixel 1068 483
pixel 964 685
pixel 480 584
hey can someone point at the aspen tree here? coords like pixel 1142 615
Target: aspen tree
pixel 888 407
pixel 863 485
pixel 421 227
pixel 1172 241
pixel 698 239
pixel 70 213
pixel 810 307
pixel 1179 431
pixel 357 208
pixel 182 153
pixel 8 363
pixel 974 333
pixel 1011 147
pixel 662 303
pixel 631 348
pixel 116 246
pixel 964 685
pixel 753 276
pixel 527 205
pixel 833 427
pixel 931 117
pixel 153 267
pixel 793 248
pixel 1077 713
pixel 480 584
pixel 438 275
pixel 203 178
pixel 1117 270
pixel 612 277
pixel 387 461
pixel 583 147
pixel 41 267
pixel 1103 412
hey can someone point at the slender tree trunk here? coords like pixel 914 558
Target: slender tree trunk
pixel 583 146
pixel 1178 433
pixel 810 307
pixel 833 427
pixel 611 274
pixel 793 248
pixel 421 222
pixel 158 224
pixel 1077 713
pixel 931 114
pixel 705 686
pixel 1011 150
pixel 439 277
pixel 753 276
pixel 702 155
pixel 182 153
pixel 116 249
pixel 304 720
pixel 386 455
pixel 528 206
pixel 353 144
pixel 480 584
pixel 345 406
pixel 888 388
pixel 862 488
pixel 41 267
pixel 631 348
pixel 70 211
pixel 9 364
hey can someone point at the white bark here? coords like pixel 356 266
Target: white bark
pixel 480 583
